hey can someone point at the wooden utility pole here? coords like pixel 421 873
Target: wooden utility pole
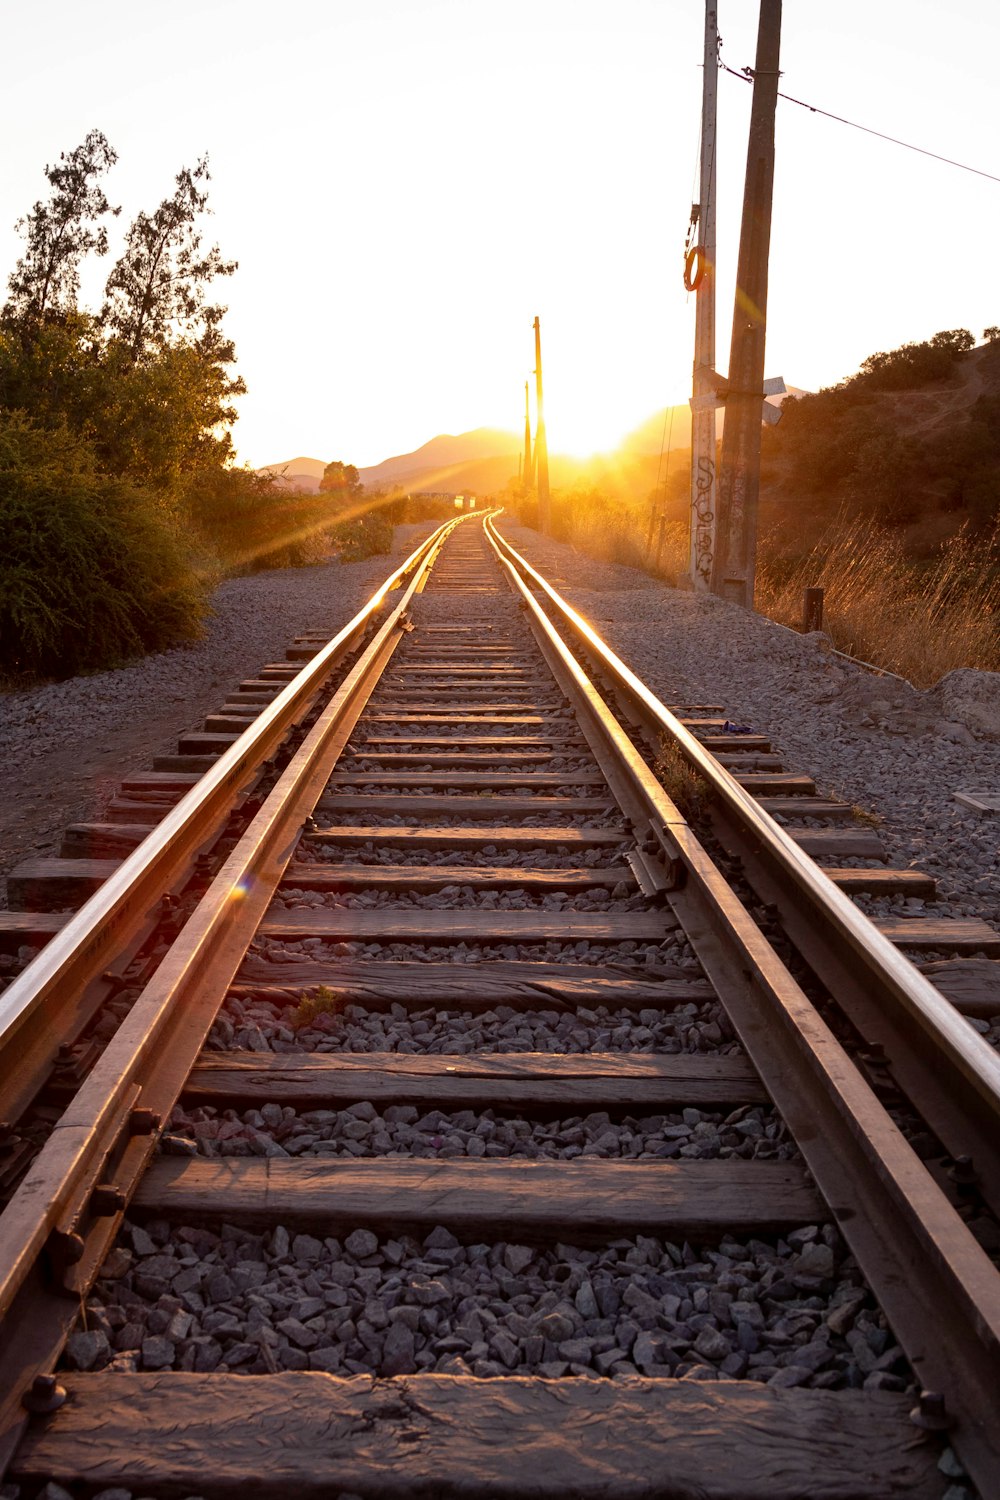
pixel 528 475
pixel 739 476
pixel 541 443
pixel 699 273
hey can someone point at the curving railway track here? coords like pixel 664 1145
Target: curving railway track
pixel 405 1100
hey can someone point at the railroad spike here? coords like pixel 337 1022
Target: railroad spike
pixel 65 1247
pixel 45 1395
pixel 963 1172
pixel 930 1412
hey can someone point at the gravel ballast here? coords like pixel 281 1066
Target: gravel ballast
pixel 750 1133
pixel 263 1026
pixel 791 1311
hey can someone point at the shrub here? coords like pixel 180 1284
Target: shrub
pixel 93 570
pixel 914 365
pixel 250 523
pixel 364 525
pixel 368 535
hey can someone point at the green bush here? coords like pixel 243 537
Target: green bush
pixel 365 525
pixel 93 569
pixel 250 523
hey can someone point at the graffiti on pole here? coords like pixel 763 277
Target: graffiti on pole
pixel 704 517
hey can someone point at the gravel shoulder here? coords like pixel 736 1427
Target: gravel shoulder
pixel 66 746
pixel 870 740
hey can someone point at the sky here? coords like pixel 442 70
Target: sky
pixel 406 184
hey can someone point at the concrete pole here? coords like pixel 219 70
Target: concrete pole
pixel 541 442
pixel 703 496
pixel 739 476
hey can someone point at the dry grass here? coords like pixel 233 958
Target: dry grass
pixel 617 530
pixel 669 554
pixel 689 792
pixel 918 622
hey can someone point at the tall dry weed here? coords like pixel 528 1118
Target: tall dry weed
pixel 918 622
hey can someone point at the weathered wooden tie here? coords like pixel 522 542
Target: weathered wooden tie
pixel 392 924
pixel 542 1082
pixel 324 875
pixel 576 1201
pixel 478 987
pixel 393 835
pixel 313 1435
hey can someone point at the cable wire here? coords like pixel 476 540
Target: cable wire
pixel 746 76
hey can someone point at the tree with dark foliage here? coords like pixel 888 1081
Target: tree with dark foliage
pixel 61 232
pixel 156 290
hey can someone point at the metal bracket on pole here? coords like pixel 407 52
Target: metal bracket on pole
pixel 773 386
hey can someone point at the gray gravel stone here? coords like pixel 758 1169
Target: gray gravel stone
pixel 88 1350
pixel 641 1305
pixel 361 1243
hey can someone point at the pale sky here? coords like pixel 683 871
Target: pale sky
pixel 406 183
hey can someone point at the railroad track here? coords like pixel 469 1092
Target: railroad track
pixel 428 1113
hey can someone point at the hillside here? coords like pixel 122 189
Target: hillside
pixel 913 441
pixel 445 456
pixel 302 474
pixel 476 462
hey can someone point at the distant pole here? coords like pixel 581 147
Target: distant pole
pixel 527 441
pixel 700 269
pixel 541 443
pixel 739 477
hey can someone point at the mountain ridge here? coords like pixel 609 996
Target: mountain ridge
pixel 484 459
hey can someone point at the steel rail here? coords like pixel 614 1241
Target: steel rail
pixel 950 1073
pixel 45 1004
pixel 939 1289
pixel 63 1217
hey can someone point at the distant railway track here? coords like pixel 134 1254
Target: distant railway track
pixel 525 1144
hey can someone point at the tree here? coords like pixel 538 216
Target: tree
pixel 60 233
pixel 341 480
pixel 156 290
pixel 991 335
pixel 957 340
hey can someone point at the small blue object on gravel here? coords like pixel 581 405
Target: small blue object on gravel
pixel 730 728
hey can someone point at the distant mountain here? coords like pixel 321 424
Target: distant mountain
pixel 477 463
pixel 483 461
pixel 659 432
pixel 301 474
pixel 441 464
pixel 651 435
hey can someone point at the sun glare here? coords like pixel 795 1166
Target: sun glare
pixel 579 428
pixel 590 412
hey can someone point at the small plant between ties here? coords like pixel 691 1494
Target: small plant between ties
pixel 323 1001
pixel 688 791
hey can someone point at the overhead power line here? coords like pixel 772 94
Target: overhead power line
pixel 746 76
